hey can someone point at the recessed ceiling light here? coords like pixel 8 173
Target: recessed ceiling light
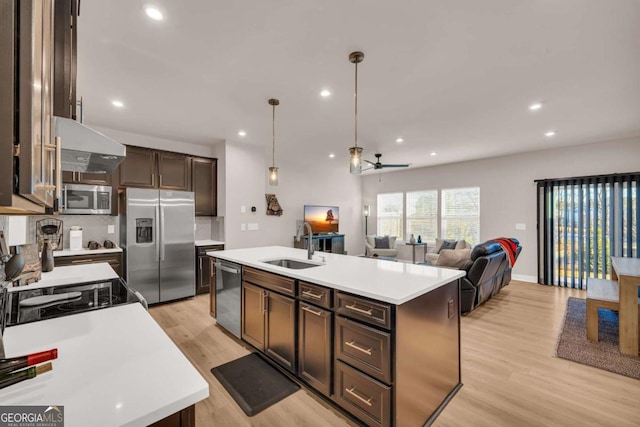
pixel 550 133
pixel 331 156
pixel 433 153
pixel 535 106
pixel 242 133
pixel 117 103
pixel 325 93
pixel 399 140
pixel 154 13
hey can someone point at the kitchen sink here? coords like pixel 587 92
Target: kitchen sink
pixel 294 264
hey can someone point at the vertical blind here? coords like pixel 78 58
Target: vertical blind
pixel 582 223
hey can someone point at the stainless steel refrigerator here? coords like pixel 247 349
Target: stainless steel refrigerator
pixel 157 234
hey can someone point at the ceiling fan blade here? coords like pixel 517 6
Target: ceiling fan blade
pixel 396 166
pixel 367 169
pixel 371 163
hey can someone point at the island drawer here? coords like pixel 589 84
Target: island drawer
pixel 315 294
pixel 375 313
pixel 365 348
pixel 271 281
pixel 363 396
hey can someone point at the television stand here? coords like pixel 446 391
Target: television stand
pixel 333 243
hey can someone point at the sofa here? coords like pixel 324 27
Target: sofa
pixel 488 272
pixel 370 246
pixel 432 251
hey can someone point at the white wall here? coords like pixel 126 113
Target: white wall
pixel 507 188
pixel 321 183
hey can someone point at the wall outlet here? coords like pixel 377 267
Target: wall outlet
pixel 252 226
pixel 243 227
pixel 111 229
pixel 521 226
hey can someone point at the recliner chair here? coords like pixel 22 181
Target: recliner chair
pixel 487 273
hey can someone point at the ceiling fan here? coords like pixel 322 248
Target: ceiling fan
pixel 379 165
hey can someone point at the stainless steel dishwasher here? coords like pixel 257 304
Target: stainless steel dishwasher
pixel 228 295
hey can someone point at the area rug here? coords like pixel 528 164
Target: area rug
pixel 573 343
pixel 253 383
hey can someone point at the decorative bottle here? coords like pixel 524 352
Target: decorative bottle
pixel 419 238
pixel 412 239
pixel 47 257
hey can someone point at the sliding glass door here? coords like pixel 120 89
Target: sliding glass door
pixel 582 222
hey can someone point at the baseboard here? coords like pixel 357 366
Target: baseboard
pixel 524 278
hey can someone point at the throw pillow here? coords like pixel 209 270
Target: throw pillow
pixel 454 258
pixel 447 244
pixel 382 242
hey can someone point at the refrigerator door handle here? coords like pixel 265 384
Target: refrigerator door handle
pixel 157 245
pixel 162 248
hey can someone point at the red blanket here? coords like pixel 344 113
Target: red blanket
pixel 509 247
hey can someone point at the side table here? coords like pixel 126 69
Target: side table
pixel 414 245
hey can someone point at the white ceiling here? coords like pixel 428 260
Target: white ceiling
pixel 455 76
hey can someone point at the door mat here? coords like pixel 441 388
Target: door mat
pixel 605 354
pixel 253 383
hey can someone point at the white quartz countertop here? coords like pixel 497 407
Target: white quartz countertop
pixel 115 367
pixel 69 252
pixel 72 274
pixel 388 281
pixel 208 242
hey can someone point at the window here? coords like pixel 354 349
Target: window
pixel 460 217
pixel 390 214
pixel 422 214
pixel 582 223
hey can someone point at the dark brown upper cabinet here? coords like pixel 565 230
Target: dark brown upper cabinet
pixel 174 171
pixel 86 178
pixel 65 53
pixel 139 168
pixel 147 168
pixel 204 185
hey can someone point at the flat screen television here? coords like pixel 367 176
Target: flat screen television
pixel 322 219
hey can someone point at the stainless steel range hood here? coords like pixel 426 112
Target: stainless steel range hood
pixel 86 150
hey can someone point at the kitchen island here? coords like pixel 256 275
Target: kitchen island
pixel 115 366
pixel 379 339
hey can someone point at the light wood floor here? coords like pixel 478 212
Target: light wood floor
pixel 509 373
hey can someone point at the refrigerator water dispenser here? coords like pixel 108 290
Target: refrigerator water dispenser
pixel 144 230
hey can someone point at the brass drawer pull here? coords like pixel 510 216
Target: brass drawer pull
pixel 359 310
pixel 312 295
pixel 353 344
pixel 317 313
pixel 82 261
pixel 352 392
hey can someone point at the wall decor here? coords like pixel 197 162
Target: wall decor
pixel 273 207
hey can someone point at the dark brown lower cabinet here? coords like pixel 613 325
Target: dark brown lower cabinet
pixel 205 278
pixel 114 259
pixel 280 336
pixel 184 418
pixel 253 315
pixel 212 291
pixel 363 396
pixel 314 347
pixel 269 324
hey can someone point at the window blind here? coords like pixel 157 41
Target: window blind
pixel 460 217
pixel 390 214
pixel 422 214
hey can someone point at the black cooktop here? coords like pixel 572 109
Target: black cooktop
pixel 31 305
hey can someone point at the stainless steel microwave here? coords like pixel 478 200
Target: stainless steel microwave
pixel 86 199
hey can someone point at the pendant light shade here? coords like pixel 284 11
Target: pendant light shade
pixel 273 170
pixel 355 152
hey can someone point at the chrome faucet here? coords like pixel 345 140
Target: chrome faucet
pixel 310 249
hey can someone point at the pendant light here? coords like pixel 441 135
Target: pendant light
pixel 355 152
pixel 273 170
